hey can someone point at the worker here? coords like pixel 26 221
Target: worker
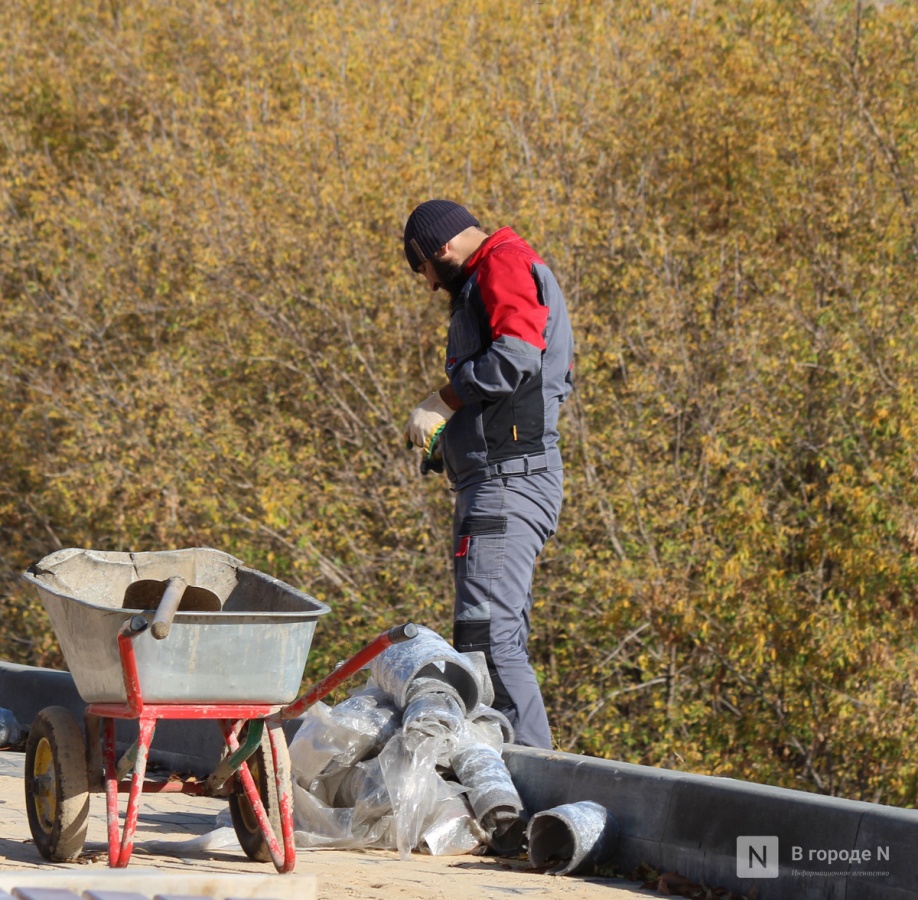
pixel 494 424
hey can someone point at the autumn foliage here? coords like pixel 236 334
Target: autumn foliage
pixel 209 336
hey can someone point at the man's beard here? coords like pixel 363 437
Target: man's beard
pixel 452 278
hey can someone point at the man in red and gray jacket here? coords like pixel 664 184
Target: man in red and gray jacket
pixel 509 365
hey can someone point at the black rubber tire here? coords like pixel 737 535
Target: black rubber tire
pixel 261 765
pixel 56 785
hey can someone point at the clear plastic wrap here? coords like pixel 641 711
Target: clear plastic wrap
pixel 331 740
pixel 316 824
pixel 454 831
pixel 434 716
pixel 488 726
pixel 371 796
pixel 410 761
pixel 411 777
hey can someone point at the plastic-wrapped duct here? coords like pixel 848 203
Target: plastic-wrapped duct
pixel 490 726
pixel 426 684
pixel 329 740
pixel 423 714
pixel 579 836
pixel 435 715
pixel 316 824
pixel 367 792
pixel 492 794
pixel 360 816
pixel 351 786
pixel 454 831
pixel 372 718
pixel 426 656
pixel 416 789
pixel 316 742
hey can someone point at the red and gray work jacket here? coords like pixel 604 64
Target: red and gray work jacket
pixel 509 357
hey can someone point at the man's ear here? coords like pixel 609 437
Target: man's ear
pixel 449 253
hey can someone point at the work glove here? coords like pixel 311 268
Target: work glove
pixel 433 461
pixel 426 422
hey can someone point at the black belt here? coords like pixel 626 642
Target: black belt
pixel 525 465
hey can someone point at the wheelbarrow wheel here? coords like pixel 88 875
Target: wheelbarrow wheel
pixel 56 785
pixel 261 765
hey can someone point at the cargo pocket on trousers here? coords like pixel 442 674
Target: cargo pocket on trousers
pixel 480 547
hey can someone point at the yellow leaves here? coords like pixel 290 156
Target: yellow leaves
pixel 733 568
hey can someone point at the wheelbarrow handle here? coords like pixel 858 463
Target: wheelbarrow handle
pixel 397 635
pixel 401 633
pixel 168 605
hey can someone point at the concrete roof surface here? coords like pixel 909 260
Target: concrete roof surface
pixel 169 821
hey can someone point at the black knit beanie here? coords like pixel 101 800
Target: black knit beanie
pixel 431 225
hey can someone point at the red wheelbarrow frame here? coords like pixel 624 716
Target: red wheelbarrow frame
pixel 232 718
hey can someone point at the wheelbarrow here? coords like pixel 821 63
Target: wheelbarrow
pixel 183 634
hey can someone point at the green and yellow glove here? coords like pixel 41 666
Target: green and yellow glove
pixel 432 461
pixel 425 424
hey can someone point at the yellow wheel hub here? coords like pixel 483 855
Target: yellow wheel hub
pixel 45 794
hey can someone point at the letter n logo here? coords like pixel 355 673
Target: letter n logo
pixel 756 856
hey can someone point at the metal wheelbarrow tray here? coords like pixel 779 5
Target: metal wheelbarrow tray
pixel 180 634
pixel 253 649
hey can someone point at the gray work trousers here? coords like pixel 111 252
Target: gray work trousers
pixel 499 529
